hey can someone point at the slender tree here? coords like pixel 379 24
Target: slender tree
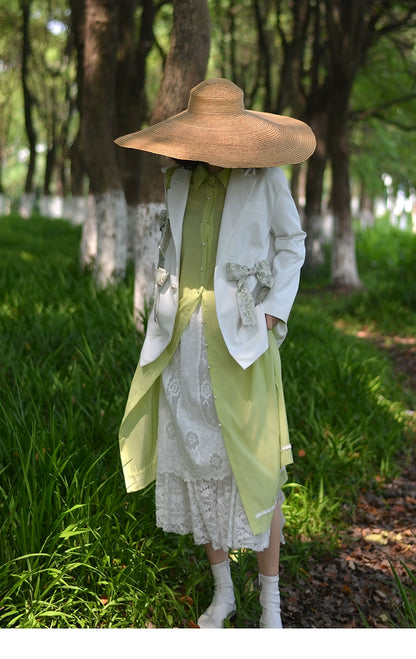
pixel 78 168
pixel 342 38
pixel 135 43
pixel 185 66
pixel 315 114
pixel 10 85
pixel 349 37
pixel 29 104
pixel 353 30
pixel 52 78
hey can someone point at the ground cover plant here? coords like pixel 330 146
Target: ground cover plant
pixel 75 550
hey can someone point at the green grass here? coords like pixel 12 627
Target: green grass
pixel 406 609
pixel 75 550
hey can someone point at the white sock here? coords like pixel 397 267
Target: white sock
pixel 270 602
pixel 223 603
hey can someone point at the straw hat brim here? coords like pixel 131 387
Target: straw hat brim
pixel 247 139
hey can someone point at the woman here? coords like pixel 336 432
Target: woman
pixel 205 415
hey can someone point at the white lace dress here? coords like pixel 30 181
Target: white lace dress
pixel 196 492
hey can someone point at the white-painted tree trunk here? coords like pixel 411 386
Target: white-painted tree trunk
pixel 111 212
pixel 88 247
pixel 26 204
pixel 314 242
pixel 132 230
pixel 344 271
pixel 51 206
pixel 77 209
pixel 146 257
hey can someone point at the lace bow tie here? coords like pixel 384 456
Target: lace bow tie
pixel 246 303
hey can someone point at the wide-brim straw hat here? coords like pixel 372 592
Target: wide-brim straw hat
pixel 218 130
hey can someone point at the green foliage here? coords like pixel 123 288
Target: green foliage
pixel 51 80
pixel 386 258
pixel 248 45
pixel 11 116
pixel 75 550
pixel 343 417
pixel 384 108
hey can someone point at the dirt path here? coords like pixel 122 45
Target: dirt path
pixel 359 579
pixel 356 587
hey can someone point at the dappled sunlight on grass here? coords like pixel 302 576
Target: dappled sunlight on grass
pixel 76 551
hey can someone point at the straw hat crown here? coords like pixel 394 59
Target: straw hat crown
pixel 216 96
pixel 217 129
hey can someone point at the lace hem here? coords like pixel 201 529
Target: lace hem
pixel 196 492
pixel 210 510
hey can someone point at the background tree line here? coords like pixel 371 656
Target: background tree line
pixel 74 74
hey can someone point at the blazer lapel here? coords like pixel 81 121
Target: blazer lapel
pixel 177 196
pixel 239 189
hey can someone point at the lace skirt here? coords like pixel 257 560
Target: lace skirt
pixel 196 492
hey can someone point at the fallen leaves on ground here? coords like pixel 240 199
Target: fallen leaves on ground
pixel 356 587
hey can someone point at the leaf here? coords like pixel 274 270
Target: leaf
pixel 71 530
pixel 379 538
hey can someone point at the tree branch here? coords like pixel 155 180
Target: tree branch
pixel 407 128
pixel 362 115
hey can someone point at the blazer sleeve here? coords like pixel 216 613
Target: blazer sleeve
pixel 287 251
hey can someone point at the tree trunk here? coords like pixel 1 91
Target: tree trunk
pixel 365 209
pixel 49 168
pixel 132 102
pixel 88 247
pixel 264 54
pixel 28 101
pixel 98 132
pixel 80 211
pixel 349 38
pixel 314 219
pixel 344 272
pixel 292 70
pixel 78 192
pixel 185 67
pixel 130 90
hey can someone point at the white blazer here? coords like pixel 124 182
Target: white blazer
pixel 259 221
